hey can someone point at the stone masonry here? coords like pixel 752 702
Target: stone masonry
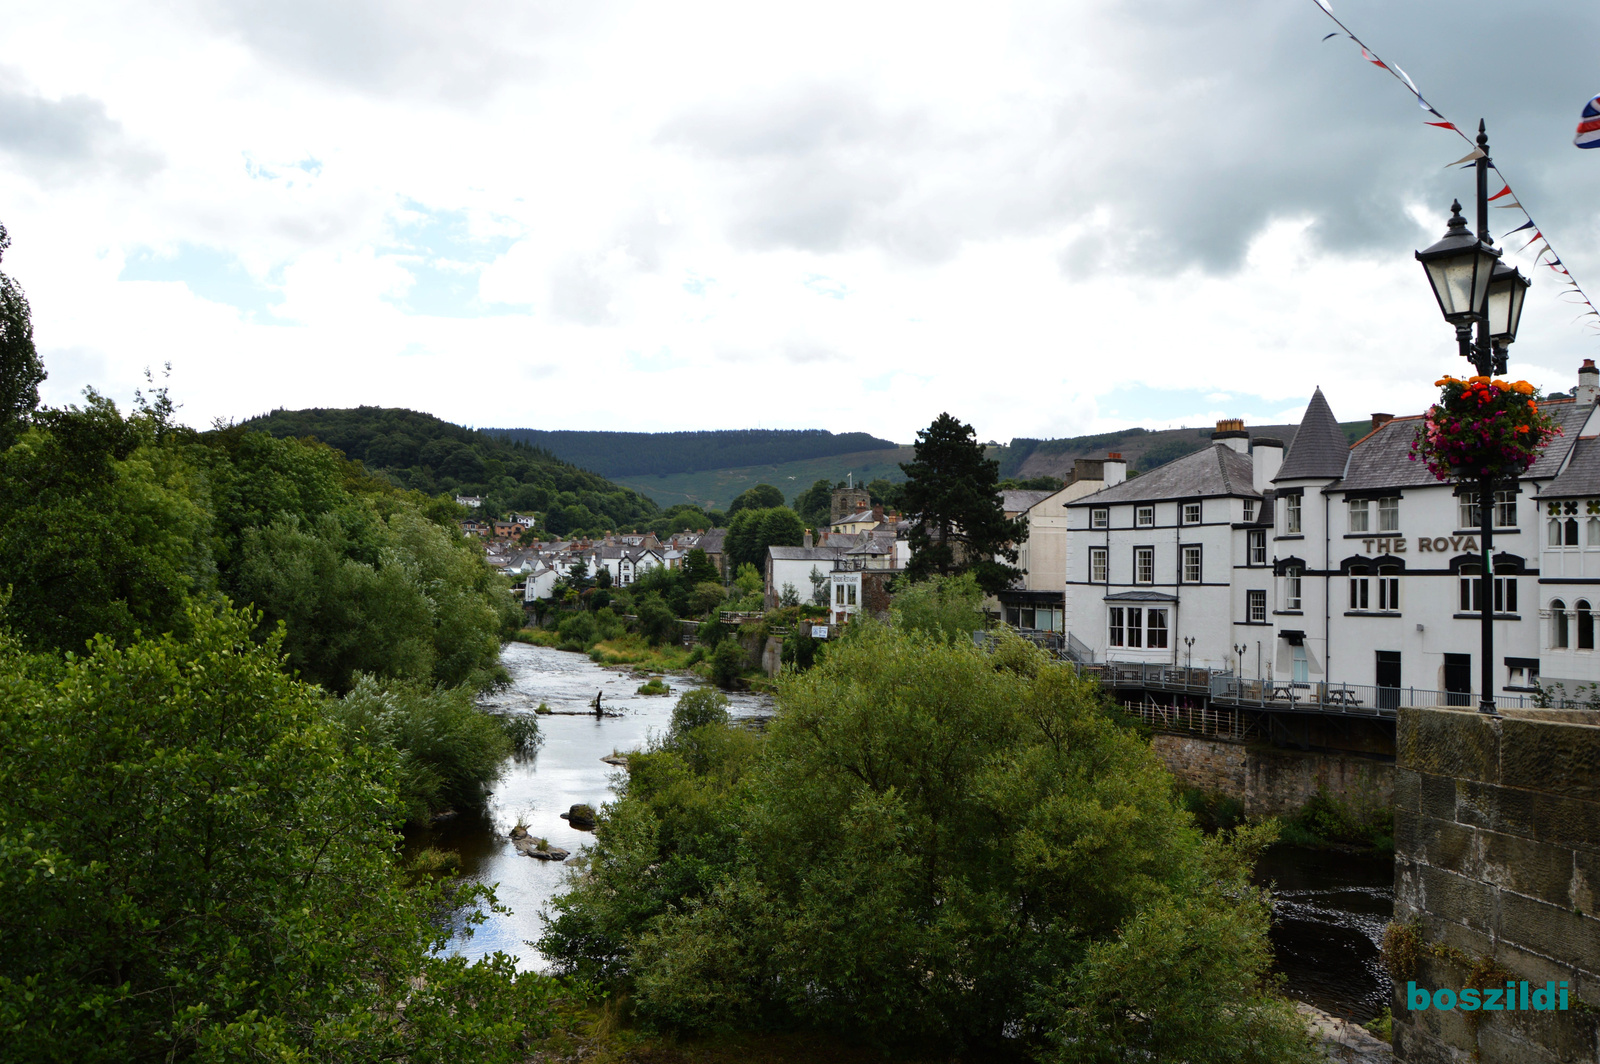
pixel 1497 863
pixel 1275 782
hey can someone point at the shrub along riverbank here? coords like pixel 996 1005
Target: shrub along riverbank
pixel 933 848
pixel 230 667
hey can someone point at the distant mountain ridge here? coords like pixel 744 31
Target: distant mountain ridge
pixel 623 454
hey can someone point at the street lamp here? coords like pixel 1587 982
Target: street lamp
pixel 1239 649
pixel 1472 286
pixel 1188 641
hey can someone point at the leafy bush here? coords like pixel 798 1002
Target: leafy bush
pixel 934 854
pixel 728 663
pixel 656 622
pixel 1212 812
pixel 654 686
pixel 948 607
pixel 449 751
pixel 194 864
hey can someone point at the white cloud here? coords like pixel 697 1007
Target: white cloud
pixel 711 215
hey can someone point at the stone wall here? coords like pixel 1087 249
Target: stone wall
pixel 1497 863
pixel 1274 782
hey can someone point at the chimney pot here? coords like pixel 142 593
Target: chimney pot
pixel 1115 456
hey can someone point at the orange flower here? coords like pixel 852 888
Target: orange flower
pixel 1478 380
pixel 1522 428
pixel 1532 405
pixel 1524 387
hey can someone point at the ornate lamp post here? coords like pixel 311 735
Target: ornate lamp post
pixel 1473 287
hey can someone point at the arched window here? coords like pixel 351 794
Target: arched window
pixel 1360 595
pixel 1553 530
pixel 1585 626
pixel 1388 587
pixel 1594 532
pixel 1558 624
pixel 1571 527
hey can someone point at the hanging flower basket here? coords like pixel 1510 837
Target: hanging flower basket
pixel 1483 428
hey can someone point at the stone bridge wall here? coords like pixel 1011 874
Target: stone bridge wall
pixel 1274 782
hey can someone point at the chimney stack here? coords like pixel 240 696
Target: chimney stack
pixel 1266 459
pixel 877 512
pixel 1588 382
pixel 1379 420
pixel 1116 469
pixel 1230 432
pixel 807 541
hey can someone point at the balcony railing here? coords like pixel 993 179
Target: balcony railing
pixel 1348 699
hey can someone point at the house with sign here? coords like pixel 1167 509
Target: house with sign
pixel 1346 563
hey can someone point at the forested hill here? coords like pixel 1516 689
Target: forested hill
pixel 623 454
pixel 420 451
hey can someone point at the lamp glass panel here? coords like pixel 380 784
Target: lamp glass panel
pixel 1452 280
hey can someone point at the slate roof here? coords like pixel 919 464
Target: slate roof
pixel 1017 501
pixel 1217 470
pixel 1382 458
pixel 1570 415
pixel 1582 475
pixel 711 542
pixel 805 554
pixel 1319 448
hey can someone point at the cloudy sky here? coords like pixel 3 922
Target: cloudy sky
pixel 1046 218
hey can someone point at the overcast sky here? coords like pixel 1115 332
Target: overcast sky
pixel 1046 219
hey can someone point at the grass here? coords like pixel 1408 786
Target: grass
pixel 654 686
pixel 436 862
pixel 634 649
pixel 539 637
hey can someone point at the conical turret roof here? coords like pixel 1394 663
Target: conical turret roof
pixel 1320 449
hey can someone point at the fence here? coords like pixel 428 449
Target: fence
pixel 1358 700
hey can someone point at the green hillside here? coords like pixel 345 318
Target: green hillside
pixel 715 488
pixel 421 452
pixel 635 454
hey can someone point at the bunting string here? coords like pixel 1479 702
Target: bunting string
pixel 1543 254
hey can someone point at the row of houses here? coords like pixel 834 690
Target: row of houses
pixel 627 557
pixel 1318 561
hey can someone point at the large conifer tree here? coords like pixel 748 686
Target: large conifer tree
pixel 953 499
pixel 21 372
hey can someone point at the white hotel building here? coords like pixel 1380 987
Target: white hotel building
pixel 1343 564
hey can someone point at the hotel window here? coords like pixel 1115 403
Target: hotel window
pixel 1097 565
pixel 1249 510
pixel 838 594
pixel 1114 631
pixel 1359 514
pixel 1467 511
pixel 1302 667
pixel 850 594
pixel 1585 625
pixel 1291 515
pixel 1191 513
pixel 1191 565
pixel 1388 515
pixel 1256 544
pixel 1100 517
pixel 1291 588
pixel 1505 591
pixel 1559 635
pixel 1505 509
pixel 1156 629
pixel 1594 532
pixel 1135 626
pixel 1256 607
pixel 1144 565
pixel 1144 516
pixel 1524 675
pixel 1563 524
pixel 1388 588
pixel 1359 589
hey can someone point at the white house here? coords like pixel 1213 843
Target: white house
pixel 1349 564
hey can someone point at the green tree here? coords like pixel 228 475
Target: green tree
pixel 1006 867
pixel 21 371
pixel 656 621
pixel 957 521
pixel 697 568
pixel 815 504
pixel 945 607
pixel 195 865
pixel 760 497
pixel 728 662
pixel 751 532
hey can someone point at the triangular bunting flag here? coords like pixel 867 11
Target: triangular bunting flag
pixel 1475 153
pixel 1506 191
pixel 1525 225
pixel 1442 125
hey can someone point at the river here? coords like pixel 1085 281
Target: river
pixel 1329 908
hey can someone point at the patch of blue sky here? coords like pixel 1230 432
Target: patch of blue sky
pixel 696 284
pixel 1143 405
pixel 445 259
pixel 310 166
pixel 827 286
pixel 213 275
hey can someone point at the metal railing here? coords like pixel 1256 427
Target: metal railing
pixel 1228 689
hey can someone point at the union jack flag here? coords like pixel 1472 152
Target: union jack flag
pixel 1589 125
